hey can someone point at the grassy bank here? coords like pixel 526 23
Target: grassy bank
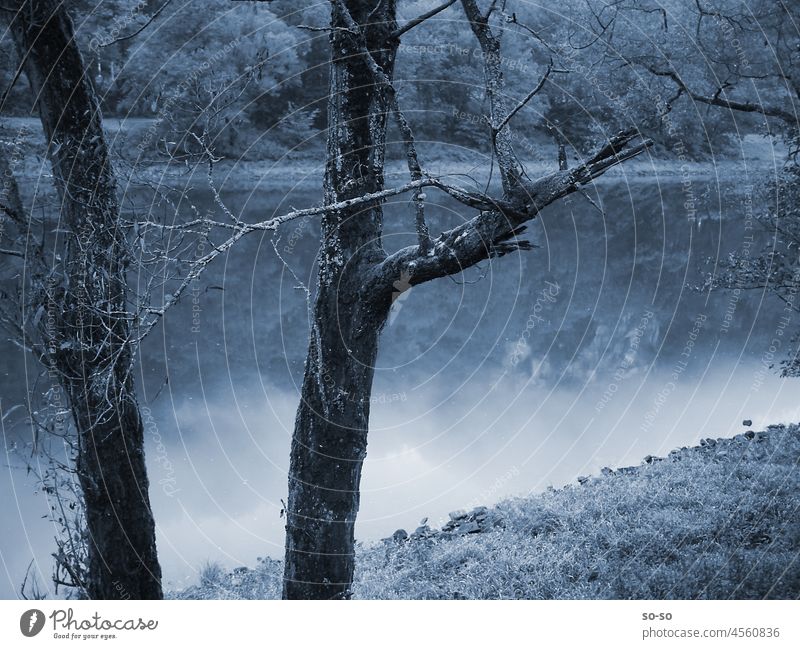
pixel 715 521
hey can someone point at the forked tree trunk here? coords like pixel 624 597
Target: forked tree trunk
pixel 330 436
pixel 356 277
pixel 91 345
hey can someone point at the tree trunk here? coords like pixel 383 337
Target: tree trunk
pixel 330 437
pixel 356 278
pixel 86 295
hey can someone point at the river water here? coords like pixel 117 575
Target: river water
pixel 592 350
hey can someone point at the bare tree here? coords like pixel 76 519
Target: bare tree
pixel 356 277
pixel 76 316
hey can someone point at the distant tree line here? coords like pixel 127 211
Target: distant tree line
pixel 148 58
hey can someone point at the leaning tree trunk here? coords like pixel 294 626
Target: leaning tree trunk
pixel 330 436
pixel 356 277
pixel 91 346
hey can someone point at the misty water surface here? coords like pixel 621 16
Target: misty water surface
pixel 589 351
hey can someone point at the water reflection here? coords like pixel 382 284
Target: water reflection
pixel 591 351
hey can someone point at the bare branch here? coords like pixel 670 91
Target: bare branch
pixel 529 96
pixel 510 167
pixel 512 19
pixel 716 100
pixel 478 239
pixel 422 18
pixel 327 29
pixel 141 29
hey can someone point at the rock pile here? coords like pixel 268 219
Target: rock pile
pixel 478 520
pixel 461 522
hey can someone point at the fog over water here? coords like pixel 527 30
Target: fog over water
pixel 590 351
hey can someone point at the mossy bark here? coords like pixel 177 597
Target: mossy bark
pixel 91 345
pixel 330 437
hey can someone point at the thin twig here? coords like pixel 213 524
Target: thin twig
pixel 528 97
pixel 422 18
pixel 141 29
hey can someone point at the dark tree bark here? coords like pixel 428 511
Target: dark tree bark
pixel 330 437
pixel 91 347
pixel 356 278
